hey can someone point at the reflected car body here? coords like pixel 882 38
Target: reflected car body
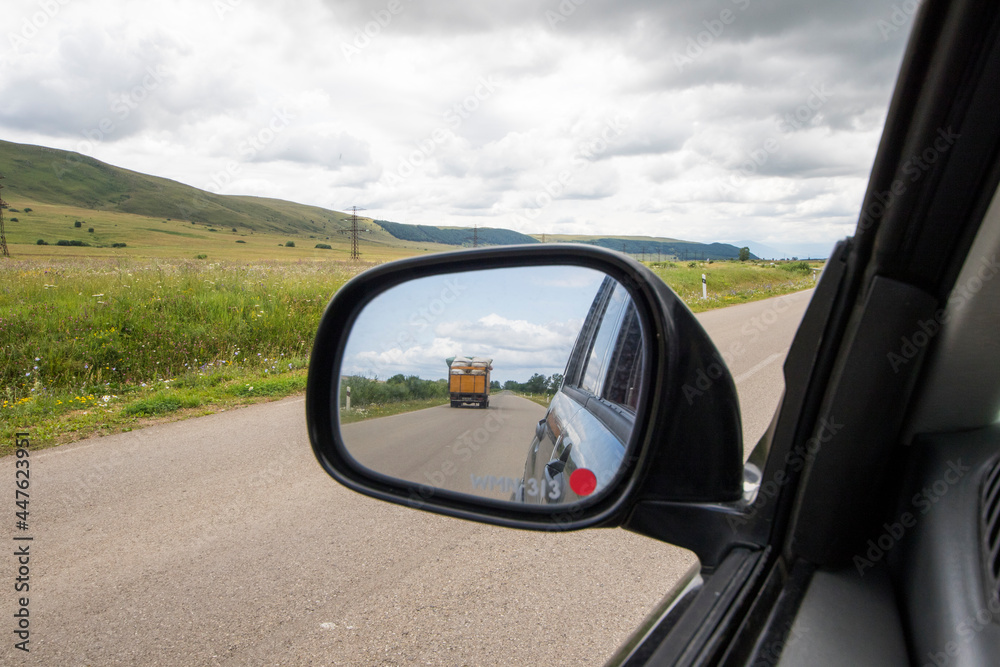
pixel 579 445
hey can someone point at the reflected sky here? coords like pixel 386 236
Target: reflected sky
pixel 525 318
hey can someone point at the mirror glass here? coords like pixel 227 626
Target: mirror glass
pixel 517 384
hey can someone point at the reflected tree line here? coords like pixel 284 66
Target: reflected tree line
pixel 367 391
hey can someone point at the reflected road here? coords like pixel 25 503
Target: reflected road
pixel 469 450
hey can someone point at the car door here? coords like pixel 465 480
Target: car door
pixel 580 442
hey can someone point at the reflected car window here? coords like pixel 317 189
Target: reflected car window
pixel 602 348
pixel 622 384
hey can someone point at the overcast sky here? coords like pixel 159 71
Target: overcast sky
pixel 727 121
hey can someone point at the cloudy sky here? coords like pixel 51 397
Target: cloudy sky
pixel 729 121
pixel 411 329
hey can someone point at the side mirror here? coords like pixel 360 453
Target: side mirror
pixel 535 387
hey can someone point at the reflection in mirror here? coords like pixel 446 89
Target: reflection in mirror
pixel 517 384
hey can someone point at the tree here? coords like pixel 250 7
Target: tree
pixel 554 382
pixel 744 253
pixel 536 384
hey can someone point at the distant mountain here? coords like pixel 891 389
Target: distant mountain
pixel 48 175
pixel 798 250
pixel 641 246
pixel 650 247
pixel 456 236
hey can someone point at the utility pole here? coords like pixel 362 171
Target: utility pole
pixel 475 236
pixel 355 255
pixel 3 233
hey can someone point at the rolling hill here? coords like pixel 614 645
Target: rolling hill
pixel 69 186
pixel 649 247
pixel 51 176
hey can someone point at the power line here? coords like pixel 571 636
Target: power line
pixel 3 233
pixel 475 236
pixel 355 255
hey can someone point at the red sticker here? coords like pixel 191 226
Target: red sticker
pixel 583 482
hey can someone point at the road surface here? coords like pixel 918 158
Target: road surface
pixel 220 541
pixel 469 450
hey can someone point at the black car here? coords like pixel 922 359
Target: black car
pixel 865 527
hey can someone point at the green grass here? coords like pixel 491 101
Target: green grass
pixel 541 399
pixel 140 338
pixel 734 282
pixel 161 402
pixel 376 410
pixel 277 386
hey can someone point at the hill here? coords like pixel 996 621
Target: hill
pixel 48 175
pixel 63 187
pixel 648 246
pixel 456 236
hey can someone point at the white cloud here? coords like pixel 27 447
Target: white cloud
pixel 485 103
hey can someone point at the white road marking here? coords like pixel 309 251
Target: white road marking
pixel 758 367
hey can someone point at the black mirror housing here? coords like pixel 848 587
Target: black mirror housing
pixel 687 441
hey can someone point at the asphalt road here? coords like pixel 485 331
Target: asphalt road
pixel 469 450
pixel 219 541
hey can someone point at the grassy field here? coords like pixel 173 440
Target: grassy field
pixel 163 238
pixel 376 410
pixel 99 344
pixel 730 283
